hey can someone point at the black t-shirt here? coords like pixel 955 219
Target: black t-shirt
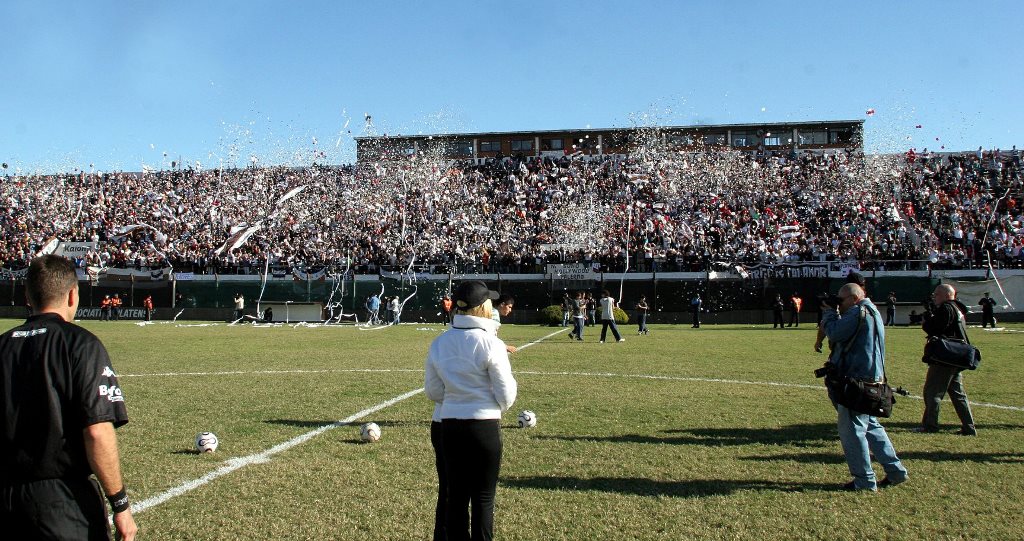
pixel 55 380
pixel 987 304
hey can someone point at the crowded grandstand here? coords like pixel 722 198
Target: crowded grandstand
pixel 669 210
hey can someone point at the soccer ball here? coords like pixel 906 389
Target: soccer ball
pixel 527 419
pixel 207 442
pixel 369 432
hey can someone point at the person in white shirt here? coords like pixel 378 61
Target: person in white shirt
pixel 608 317
pixel 396 310
pixel 469 378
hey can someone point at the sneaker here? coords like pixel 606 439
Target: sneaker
pixel 889 482
pixel 968 432
pixel 600 341
pixel 852 486
pixel 622 339
pixel 571 336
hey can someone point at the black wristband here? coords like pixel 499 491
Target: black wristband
pixel 119 501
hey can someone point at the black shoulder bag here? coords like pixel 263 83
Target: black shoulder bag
pixel 870 397
pixel 952 351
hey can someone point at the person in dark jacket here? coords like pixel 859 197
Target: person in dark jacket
pixel 988 308
pixel 945 320
pixel 777 308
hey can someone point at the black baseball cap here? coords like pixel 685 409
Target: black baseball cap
pixel 472 293
pixel 855 277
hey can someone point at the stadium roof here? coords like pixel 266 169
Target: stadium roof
pixel 815 123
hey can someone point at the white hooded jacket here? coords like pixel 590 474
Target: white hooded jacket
pixel 468 372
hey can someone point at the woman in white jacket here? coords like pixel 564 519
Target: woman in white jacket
pixel 469 376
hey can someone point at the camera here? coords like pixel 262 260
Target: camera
pixel 825 370
pixel 830 299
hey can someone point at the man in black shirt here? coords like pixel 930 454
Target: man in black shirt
pixel 988 305
pixel 890 309
pixel 777 307
pixel 59 404
pixel 946 320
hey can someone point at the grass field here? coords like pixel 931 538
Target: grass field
pixel 674 435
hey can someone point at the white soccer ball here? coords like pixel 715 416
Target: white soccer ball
pixel 527 419
pixel 207 442
pixel 369 432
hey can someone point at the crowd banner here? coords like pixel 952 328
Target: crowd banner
pixel 131 275
pixel 787 270
pixel 125 313
pixel 72 250
pixel 304 276
pixel 571 271
pixel 12 275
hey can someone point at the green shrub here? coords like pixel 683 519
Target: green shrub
pixel 552 315
pixel 621 317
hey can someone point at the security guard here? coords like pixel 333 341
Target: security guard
pixel 59 404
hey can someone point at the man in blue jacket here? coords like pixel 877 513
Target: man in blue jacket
pixel 858 334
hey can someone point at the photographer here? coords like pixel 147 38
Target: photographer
pixel 831 302
pixel 946 319
pixel 859 353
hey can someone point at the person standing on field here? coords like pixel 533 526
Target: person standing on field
pixel 945 320
pixel 795 303
pixel 608 317
pixel 55 437
pixel 857 330
pixel 988 311
pixel 641 315
pixel 469 378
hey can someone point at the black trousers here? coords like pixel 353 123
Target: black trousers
pixel 472 458
pixel 605 323
pixel 441 510
pixel 54 509
pixel 988 318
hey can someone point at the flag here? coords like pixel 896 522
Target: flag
pixel 236 240
pixel 49 247
pixel 290 195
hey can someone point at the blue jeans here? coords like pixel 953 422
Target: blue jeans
pixel 861 436
pixel 577 327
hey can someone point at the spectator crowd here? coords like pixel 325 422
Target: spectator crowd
pixel 669 210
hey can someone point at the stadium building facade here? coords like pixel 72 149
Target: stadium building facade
pixel 777 138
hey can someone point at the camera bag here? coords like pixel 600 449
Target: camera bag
pixel 870 397
pixel 954 352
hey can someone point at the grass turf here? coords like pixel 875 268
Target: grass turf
pixel 699 450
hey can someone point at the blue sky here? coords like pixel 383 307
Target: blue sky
pixel 119 84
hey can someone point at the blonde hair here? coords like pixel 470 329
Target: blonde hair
pixel 482 310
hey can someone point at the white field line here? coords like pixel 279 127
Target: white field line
pixel 264 456
pixel 268 372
